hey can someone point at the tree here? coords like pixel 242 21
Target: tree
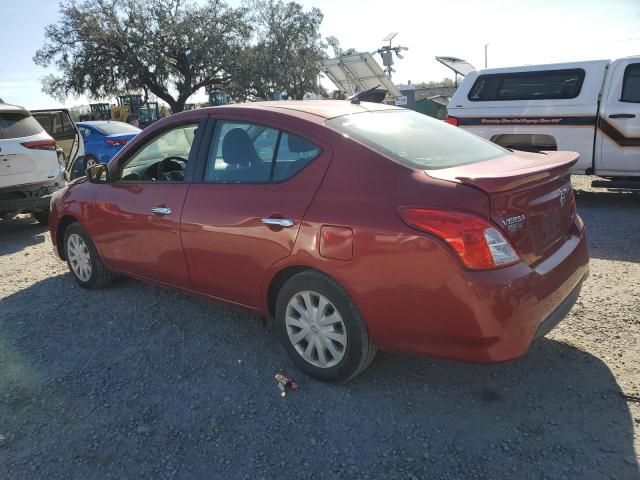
pixel 445 82
pixel 170 48
pixel 338 51
pixel 283 58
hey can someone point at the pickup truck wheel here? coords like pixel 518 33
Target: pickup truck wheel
pixel 321 328
pixel 83 259
pixel 42 216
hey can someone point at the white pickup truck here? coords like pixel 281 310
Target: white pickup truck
pixel 590 107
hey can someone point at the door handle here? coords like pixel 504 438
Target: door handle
pixel 622 115
pixel 161 211
pixel 278 222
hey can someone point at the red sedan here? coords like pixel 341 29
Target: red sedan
pixel 354 226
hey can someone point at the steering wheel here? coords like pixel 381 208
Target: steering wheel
pixel 170 169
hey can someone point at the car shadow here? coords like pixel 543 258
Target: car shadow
pixel 110 381
pixel 611 219
pixel 19 233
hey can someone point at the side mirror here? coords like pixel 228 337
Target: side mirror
pixel 98 173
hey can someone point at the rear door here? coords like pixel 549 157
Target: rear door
pixel 244 213
pixel 618 139
pixel 60 125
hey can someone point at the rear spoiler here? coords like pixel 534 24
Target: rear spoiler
pixel 510 171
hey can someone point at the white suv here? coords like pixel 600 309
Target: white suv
pixel 31 162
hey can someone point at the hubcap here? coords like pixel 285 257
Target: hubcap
pixel 79 257
pixel 90 162
pixel 316 329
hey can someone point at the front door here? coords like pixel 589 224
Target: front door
pixel 245 214
pixel 619 125
pixel 137 214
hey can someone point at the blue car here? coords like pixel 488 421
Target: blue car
pixel 102 140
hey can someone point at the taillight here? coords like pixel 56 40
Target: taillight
pixel 451 120
pixel 116 142
pixel 478 243
pixel 40 145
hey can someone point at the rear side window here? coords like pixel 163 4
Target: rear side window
pixel 545 85
pixel 294 153
pixel 416 140
pixel 631 84
pixel 17 125
pixel 244 152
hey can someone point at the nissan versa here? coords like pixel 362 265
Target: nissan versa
pixel 355 226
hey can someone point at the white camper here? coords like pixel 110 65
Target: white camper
pixel 590 107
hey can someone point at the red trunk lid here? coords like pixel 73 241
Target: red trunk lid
pixel 530 194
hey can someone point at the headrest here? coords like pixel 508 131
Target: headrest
pixel 237 148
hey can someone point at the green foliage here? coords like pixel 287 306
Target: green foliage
pixel 173 48
pixel 445 82
pixel 287 43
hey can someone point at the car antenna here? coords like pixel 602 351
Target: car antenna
pixel 365 94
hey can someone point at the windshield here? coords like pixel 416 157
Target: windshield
pixel 416 140
pixel 113 128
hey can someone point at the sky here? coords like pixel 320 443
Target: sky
pixel 517 32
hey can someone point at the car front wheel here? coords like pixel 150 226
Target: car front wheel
pixel 321 328
pixel 83 260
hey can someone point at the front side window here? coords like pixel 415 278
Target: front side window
pixel 631 84
pixel 544 85
pixel 245 152
pixel 162 159
pixel 415 140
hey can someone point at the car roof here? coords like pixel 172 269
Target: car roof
pixel 323 109
pixel 6 107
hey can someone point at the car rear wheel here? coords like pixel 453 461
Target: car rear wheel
pixel 321 328
pixel 83 260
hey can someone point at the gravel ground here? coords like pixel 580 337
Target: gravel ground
pixel 137 381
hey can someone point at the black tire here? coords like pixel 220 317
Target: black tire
pixel 359 351
pixel 42 216
pixel 99 277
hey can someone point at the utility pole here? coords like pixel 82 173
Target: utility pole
pixel 486 47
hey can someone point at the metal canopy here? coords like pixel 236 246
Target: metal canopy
pixel 457 65
pixel 356 73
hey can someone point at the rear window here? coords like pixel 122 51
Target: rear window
pixel 416 140
pixel 116 128
pixel 17 125
pixel 631 84
pixel 549 84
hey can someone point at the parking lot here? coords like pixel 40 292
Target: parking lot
pixel 138 381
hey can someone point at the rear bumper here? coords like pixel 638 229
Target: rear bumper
pixel 559 313
pixel 482 317
pixel 27 198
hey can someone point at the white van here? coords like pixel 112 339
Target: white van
pixel 591 107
